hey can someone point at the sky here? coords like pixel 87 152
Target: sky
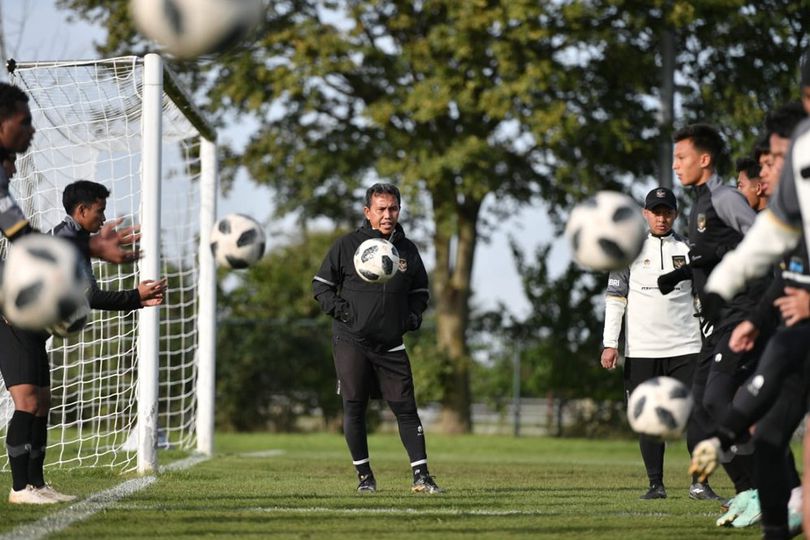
pixel 37 30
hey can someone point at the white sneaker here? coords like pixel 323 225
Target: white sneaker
pixel 29 495
pixel 51 493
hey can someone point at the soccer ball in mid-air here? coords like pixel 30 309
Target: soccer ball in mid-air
pixel 606 232
pixel 237 241
pixel 376 260
pixel 190 28
pixel 44 284
pixel 74 322
pixel 659 407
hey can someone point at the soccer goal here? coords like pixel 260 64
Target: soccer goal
pixel 131 382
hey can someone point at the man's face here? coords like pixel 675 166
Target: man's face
pixel 779 147
pixel 91 216
pixel 765 164
pixel 660 219
pixel 689 164
pixel 16 131
pixel 751 189
pixel 383 213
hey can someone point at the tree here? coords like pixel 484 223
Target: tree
pixel 273 348
pixel 463 103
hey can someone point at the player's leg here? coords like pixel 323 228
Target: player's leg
pixel 393 370
pixel 700 425
pixel 722 383
pixel 354 372
pixel 771 472
pixel 21 376
pixel 635 372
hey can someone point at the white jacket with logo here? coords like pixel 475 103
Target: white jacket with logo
pixel 656 326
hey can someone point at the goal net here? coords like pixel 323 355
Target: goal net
pixel 94 121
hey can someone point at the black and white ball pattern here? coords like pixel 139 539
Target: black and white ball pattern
pixel 606 232
pixel 376 260
pixel 659 407
pixel 237 241
pixel 45 285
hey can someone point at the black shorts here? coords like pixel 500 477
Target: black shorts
pixel 23 356
pixel 638 370
pixel 363 373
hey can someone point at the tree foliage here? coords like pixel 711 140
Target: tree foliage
pixel 462 103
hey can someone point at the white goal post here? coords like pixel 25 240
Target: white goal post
pixel 131 382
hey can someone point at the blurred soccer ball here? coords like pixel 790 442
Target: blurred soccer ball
pixel 237 241
pixel 44 284
pixel 74 322
pixel 606 232
pixel 190 28
pixel 376 260
pixel 659 407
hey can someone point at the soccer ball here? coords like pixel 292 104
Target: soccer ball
pixel 190 28
pixel 606 232
pixel 74 322
pixel 659 407
pixel 44 284
pixel 237 241
pixel 376 260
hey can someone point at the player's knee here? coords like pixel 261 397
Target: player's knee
pixel 403 408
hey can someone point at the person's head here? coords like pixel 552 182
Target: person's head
pixel 804 68
pixel 779 125
pixel 762 155
pixel 382 205
pixel 16 129
pixel 749 184
pixel 85 202
pixel 9 162
pixel 660 210
pixel 699 150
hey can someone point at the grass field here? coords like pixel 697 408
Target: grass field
pixel 302 486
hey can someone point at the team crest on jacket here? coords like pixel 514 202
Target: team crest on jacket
pixel 403 265
pixel 701 223
pixel 678 261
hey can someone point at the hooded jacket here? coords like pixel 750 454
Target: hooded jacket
pixel 371 314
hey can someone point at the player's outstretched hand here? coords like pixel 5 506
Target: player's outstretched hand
pixel 705 458
pixel 108 243
pixel 152 292
pixel 743 337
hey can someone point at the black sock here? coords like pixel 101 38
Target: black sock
pixel 773 483
pixel 740 470
pixel 652 452
pixel 354 429
pixel 411 434
pixel 18 441
pixel 39 440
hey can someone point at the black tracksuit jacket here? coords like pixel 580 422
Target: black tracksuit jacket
pixel 373 315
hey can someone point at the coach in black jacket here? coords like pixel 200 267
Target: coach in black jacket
pixel 369 322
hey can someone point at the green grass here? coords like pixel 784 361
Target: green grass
pixel 496 487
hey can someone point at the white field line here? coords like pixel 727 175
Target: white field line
pixel 262 453
pixel 85 508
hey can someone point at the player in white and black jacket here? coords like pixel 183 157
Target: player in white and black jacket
pixel 661 333
pixel 369 321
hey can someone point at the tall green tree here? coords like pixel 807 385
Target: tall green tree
pixel 463 103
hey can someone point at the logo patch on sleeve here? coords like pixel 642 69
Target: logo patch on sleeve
pixel 678 261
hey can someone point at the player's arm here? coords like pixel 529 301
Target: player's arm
pixel 418 295
pixel 325 286
pixel 764 244
pixel 13 222
pixel 615 305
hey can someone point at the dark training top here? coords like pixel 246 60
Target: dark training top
pixel 371 314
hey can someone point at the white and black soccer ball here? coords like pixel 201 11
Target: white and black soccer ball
pixel 606 232
pixel 376 260
pixel 190 28
pixel 44 284
pixel 660 407
pixel 237 241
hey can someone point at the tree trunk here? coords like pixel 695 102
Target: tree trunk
pixel 452 278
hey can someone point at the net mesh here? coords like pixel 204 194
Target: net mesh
pixel 88 126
